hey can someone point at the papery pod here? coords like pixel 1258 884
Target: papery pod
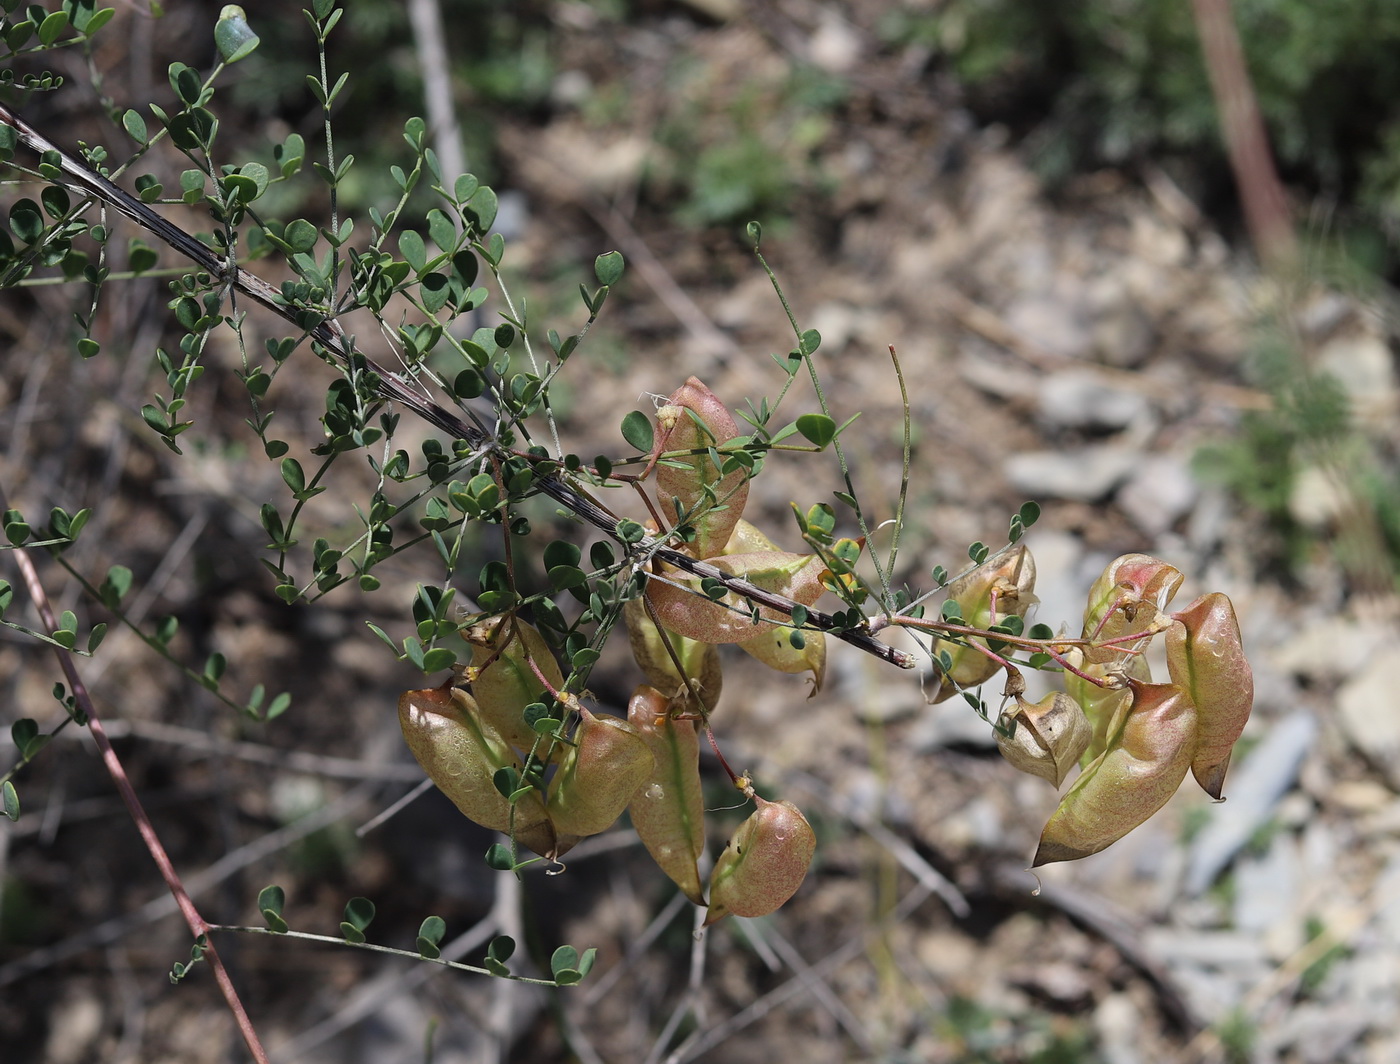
pixel 1105 707
pixel 713 504
pixel 1131 780
pixel 686 610
pixel 598 775
pixel 1130 596
pixel 1205 656
pixel 507 683
pixel 703 676
pixel 747 538
pixel 763 864
pixel 668 808
pixel 774 648
pixel 1049 736
pixel 1001 587
pixel 461 753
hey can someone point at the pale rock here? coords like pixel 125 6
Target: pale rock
pixel 837 322
pixel 1159 492
pixel 1083 399
pixel 951 723
pixel 1330 649
pixel 1317 500
pixel 1253 791
pixel 1049 321
pixel 835 46
pixel 1118 1023
pixel 1364 366
pixel 1085 474
pixel 1268 892
pixel 1370 715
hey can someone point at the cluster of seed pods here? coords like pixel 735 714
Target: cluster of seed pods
pixel 551 776
pixel 1133 739
pixel 518 755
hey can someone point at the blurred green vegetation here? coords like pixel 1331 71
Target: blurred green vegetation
pixel 1108 82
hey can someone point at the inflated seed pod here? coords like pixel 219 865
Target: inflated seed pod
pixel 461 753
pixel 763 864
pixel 682 606
pixel 774 646
pixel 1002 586
pixel 703 677
pixel 1130 596
pixel 598 775
pixel 1128 782
pixel 668 807
pixel 1048 737
pixel 1105 707
pixel 694 420
pixel 775 649
pixel 507 683
pixel 1205 657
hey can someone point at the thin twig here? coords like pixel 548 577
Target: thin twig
pixel 396 388
pixel 193 920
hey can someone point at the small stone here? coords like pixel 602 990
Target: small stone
pixel 1253 791
pixel 1317 500
pixel 1082 399
pixel 1364 366
pixel 1159 492
pixel 1369 715
pixel 1087 474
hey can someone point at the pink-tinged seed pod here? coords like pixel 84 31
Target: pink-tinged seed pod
pixel 668 809
pixel 507 684
pixel 1105 707
pixel 598 776
pixel 774 648
pixel 703 679
pixel 1129 597
pixel 1205 656
pixel 461 753
pixel 1002 586
pixel 687 611
pixel 763 864
pixel 1130 781
pixel 1049 737
pixel 694 419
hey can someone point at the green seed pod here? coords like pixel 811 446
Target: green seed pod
pixel 1105 707
pixel 668 807
pixel 598 776
pixel 1049 736
pixel 1002 586
pixel 1205 657
pixel 694 420
pixel 685 609
pixel 763 864
pixel 703 679
pixel 1130 596
pixel 1130 781
pixel 461 753
pixel 505 683
pixel 774 648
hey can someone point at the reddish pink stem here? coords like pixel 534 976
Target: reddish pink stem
pixel 1261 193
pixel 196 923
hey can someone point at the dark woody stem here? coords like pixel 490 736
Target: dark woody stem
pixel 331 339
